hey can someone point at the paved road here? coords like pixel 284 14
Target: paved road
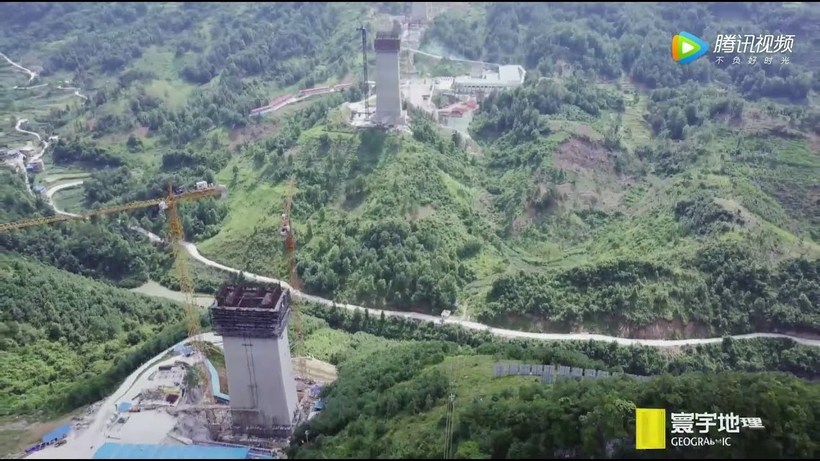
pixel 30 72
pixel 54 189
pixel 16 87
pixel 76 91
pixel 93 436
pixel 194 252
pixel 36 156
pixel 42 152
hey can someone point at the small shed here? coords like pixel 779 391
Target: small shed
pixel 319 406
pixel 123 407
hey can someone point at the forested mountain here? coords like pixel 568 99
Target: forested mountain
pixel 105 250
pixel 615 191
pixel 65 340
pixel 393 403
pixel 608 40
pixel 179 69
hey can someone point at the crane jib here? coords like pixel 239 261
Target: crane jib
pixel 185 196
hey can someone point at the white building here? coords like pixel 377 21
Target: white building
pixel 509 76
pixel 419 11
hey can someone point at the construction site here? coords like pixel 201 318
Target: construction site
pixel 240 391
pixel 234 393
pixel 401 79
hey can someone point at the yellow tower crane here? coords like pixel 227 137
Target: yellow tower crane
pixel 293 279
pixel 176 234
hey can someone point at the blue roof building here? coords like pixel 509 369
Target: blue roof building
pixel 145 451
pixel 319 406
pixel 57 434
pixel 183 350
pixel 124 407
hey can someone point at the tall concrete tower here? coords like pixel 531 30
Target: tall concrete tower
pixel 261 385
pixel 388 95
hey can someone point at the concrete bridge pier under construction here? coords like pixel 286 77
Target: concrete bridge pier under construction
pixel 253 324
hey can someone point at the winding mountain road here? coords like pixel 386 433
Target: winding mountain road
pixel 36 156
pixel 194 252
pixel 76 91
pixel 30 87
pixel 42 152
pixel 30 72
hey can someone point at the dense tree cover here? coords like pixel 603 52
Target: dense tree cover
pixel 377 257
pixel 233 53
pixel 517 114
pixel 733 294
pixel 109 249
pixel 375 409
pixel 608 40
pixel 366 380
pixel 275 43
pixel 701 215
pixel 360 238
pixel 200 218
pixel 73 150
pixel 461 34
pixel 556 140
pixel 731 355
pixel 676 112
pixel 378 407
pixel 104 249
pixel 65 339
pixel 29 22
pixel 401 223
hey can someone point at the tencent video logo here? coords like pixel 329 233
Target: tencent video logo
pixel 687 47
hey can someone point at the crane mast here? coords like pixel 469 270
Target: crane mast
pixel 177 235
pixel 293 278
pixel 364 65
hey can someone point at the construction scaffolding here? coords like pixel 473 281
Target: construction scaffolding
pixel 254 312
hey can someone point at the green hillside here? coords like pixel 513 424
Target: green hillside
pixel 66 340
pixel 393 403
pixel 419 223
pixel 616 191
pixel 396 377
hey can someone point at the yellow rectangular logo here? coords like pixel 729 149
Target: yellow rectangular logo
pixel 650 429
